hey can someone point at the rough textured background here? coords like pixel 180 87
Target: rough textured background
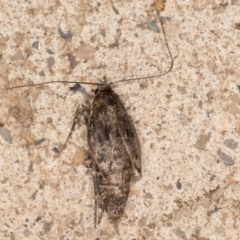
pixel 187 121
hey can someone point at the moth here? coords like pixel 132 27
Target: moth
pixel 113 144
pixel 115 151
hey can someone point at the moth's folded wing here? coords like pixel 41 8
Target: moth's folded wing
pixel 102 141
pixel 129 135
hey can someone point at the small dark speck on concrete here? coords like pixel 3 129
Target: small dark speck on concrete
pixel 30 167
pixel 72 60
pixel 47 227
pixel 65 35
pixel 39 141
pixel 142 221
pixel 237 25
pixel 35 44
pixel 182 89
pixel 49 120
pixel 216 209
pixel 239 88
pixel 230 143
pixel 50 62
pixel 179 185
pixel 50 51
pixel 197 230
pixel 113 45
pixel 42 74
pixel 27 232
pixel 6 134
pixel 168 96
pixel 7 225
pixel 4 180
pixel 227 160
pixel 115 10
pixel 1 125
pixel 63 237
pixel 55 150
pixel 212 178
pixel 17 56
pixel 149 195
pixel 39 218
pixel 181 233
pixel 224 4
pixel 103 33
pixel 202 141
pixel 33 197
pixel 153 26
pixel 28 52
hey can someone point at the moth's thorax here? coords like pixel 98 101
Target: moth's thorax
pixel 103 87
pixel 105 96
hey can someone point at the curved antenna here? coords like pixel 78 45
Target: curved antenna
pixel 39 84
pixel 159 6
pixel 154 76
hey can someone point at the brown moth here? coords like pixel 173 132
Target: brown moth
pixel 115 151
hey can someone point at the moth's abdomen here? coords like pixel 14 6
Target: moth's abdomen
pixel 114 185
pixel 114 192
pixel 116 200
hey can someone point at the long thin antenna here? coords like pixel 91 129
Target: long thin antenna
pixel 39 84
pixel 155 76
pixel 156 6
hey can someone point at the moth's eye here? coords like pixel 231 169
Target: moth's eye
pixel 96 91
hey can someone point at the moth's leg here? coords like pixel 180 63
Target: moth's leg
pixel 78 87
pixel 76 116
pixel 98 203
pixel 86 114
pixel 88 160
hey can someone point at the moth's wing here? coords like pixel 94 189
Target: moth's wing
pixel 102 138
pixel 98 133
pixel 114 148
pixel 129 135
pixel 99 207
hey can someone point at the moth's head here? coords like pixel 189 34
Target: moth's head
pixel 102 87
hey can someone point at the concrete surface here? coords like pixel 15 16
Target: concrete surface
pixel 187 121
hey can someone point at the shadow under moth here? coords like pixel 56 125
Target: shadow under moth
pixel 113 144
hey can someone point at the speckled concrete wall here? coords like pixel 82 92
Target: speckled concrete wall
pixel 187 121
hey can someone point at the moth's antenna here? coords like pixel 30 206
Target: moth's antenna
pixel 168 49
pixel 159 7
pixel 39 84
